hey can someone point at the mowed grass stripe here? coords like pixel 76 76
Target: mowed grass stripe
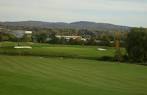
pixel 19 60
pixel 67 73
pixel 78 76
pixel 85 76
pixel 64 69
pixel 60 70
pixel 53 71
pixel 41 63
pixel 56 67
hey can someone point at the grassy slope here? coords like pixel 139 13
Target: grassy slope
pixel 56 76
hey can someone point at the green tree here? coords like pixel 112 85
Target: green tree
pixel 27 38
pixel 41 38
pixel 136 44
pixel 6 37
pixel 54 39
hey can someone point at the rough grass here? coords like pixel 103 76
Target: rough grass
pixel 21 75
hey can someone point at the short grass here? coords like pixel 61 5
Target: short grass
pixel 26 75
pixel 70 51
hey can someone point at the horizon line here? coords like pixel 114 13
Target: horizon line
pixel 69 22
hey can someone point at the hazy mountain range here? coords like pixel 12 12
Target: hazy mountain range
pixel 73 25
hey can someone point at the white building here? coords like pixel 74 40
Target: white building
pixel 28 32
pixel 71 37
pixel 21 33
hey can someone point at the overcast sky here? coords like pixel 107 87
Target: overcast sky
pixel 122 12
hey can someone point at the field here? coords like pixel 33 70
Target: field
pixel 26 75
pixel 67 70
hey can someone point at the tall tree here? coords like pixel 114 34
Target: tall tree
pixel 136 44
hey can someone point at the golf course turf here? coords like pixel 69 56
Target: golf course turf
pixel 68 51
pixel 30 75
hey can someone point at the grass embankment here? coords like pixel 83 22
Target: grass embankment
pixel 22 75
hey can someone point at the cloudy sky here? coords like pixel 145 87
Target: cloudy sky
pixel 122 12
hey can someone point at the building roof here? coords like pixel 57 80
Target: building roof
pixel 74 37
pixel 28 32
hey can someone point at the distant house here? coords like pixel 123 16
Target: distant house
pixel 28 32
pixel 21 33
pixel 68 37
pixel 71 37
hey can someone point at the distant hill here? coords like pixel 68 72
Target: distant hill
pixel 73 25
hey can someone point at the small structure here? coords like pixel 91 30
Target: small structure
pixel 68 37
pixel 71 37
pixel 28 32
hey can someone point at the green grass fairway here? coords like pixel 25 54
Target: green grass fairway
pixel 70 51
pixel 58 76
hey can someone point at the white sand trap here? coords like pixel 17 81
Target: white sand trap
pixel 23 47
pixel 101 49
